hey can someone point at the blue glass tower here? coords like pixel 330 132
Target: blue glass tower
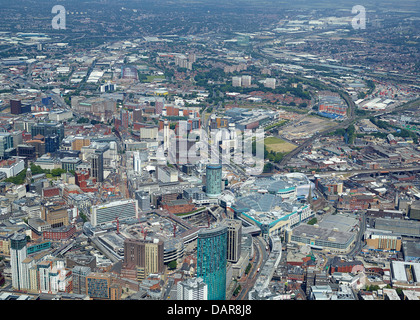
pixel 213 180
pixel 211 260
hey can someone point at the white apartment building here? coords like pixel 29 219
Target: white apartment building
pixel 192 289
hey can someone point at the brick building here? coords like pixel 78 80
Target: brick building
pixel 62 233
pixel 338 265
pixel 178 206
pixel 51 192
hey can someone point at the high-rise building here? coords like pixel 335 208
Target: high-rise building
pixel 106 213
pixel 236 81
pixel 70 163
pixel 80 274
pixel 143 200
pixel 48 129
pixel 137 115
pixel 211 260
pixel 192 289
pixel 43 270
pixel 97 166
pixel 6 142
pixel 234 240
pixel 136 162
pixel 55 215
pixel 213 180
pixel 98 285
pixel 270 83
pixel 26 151
pixel 246 81
pixel 144 255
pixel 17 137
pixel 15 106
pixel 125 118
pixel 78 142
pixel 52 143
pixel 18 253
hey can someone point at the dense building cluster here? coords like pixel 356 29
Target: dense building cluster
pixel 250 155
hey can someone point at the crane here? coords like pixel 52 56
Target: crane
pixel 144 232
pixel 118 224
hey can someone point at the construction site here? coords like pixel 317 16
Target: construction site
pixel 177 234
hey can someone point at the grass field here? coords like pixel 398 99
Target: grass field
pixel 153 78
pixel 278 145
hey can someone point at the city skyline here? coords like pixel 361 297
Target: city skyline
pixel 209 156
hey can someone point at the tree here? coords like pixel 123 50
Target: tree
pixel 312 221
pixel 268 167
pixel 248 268
pixel 57 172
pixel 237 290
pixel 172 265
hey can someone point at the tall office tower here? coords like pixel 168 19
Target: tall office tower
pixel 143 200
pixel 6 142
pixel 125 118
pixel 144 255
pixel 246 81
pixel 52 143
pixel 166 135
pixel 213 180
pixel 17 138
pixel 80 274
pixel 136 162
pixel 109 212
pixel 15 106
pixel 97 166
pixel 211 260
pixel 236 81
pixel 55 215
pixel 191 289
pixel 18 253
pixel 234 240
pixel 48 129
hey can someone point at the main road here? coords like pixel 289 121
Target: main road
pixel 258 261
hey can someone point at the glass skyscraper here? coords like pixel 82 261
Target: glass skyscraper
pixel 211 260
pixel 97 166
pixel 213 180
pixel 18 253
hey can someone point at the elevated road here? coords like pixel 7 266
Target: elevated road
pixel 380 171
pixel 352 118
pixel 344 124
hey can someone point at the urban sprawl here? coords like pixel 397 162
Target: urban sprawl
pixel 112 184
